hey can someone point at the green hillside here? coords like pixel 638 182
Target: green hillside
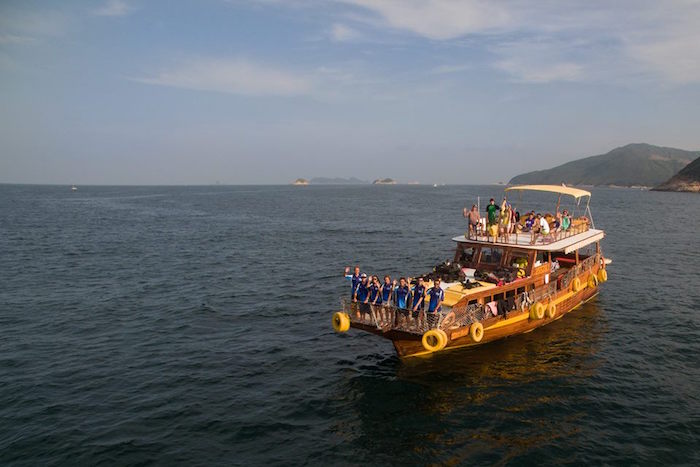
pixel 687 179
pixel 632 165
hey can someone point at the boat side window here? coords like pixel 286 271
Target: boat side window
pixel 541 258
pixel 466 256
pixel 491 255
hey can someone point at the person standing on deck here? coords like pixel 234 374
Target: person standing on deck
pixel 362 296
pixel 375 296
pixel 437 295
pixel 473 219
pixel 491 219
pixel 354 279
pixel 402 293
pixel 418 299
pixel 387 290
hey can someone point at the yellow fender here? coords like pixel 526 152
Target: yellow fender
pixel 577 284
pixel 341 321
pixel 602 275
pixel 476 332
pixel 592 281
pixel 551 310
pixel 434 340
pixel 537 311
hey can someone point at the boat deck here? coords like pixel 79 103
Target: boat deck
pixel 568 244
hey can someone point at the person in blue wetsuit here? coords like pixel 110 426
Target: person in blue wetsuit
pixel 418 297
pixel 437 295
pixel 354 279
pixel 362 295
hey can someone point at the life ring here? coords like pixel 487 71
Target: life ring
pixel 577 284
pixel 476 332
pixel 449 320
pixel 537 311
pixel 602 275
pixel 434 340
pixel 341 321
pixel 551 310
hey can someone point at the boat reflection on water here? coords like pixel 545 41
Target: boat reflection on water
pixel 488 403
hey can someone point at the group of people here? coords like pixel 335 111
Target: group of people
pixel 368 293
pixel 504 220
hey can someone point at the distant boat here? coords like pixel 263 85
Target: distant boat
pixel 74 188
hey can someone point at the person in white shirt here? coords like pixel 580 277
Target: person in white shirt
pixel 541 227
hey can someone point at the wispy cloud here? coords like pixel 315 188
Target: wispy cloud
pixel 237 76
pixel 15 39
pixel 113 8
pixel 634 36
pixel 438 19
pixel 343 33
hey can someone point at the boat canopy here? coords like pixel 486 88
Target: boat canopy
pixel 564 190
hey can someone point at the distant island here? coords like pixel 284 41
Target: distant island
pixel 688 179
pixel 300 181
pixel 337 181
pixel 631 165
pixel 384 181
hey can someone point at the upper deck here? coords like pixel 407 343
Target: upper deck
pixel 567 242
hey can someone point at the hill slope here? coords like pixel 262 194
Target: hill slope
pixel 688 179
pixel 634 164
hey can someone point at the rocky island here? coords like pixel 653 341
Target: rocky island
pixel 688 179
pixel 384 181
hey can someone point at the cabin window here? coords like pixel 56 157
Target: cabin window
pixel 541 258
pixel 491 255
pixel 519 260
pixel 466 256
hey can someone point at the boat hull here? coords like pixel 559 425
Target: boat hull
pixel 517 322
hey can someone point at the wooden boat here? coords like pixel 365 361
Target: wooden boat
pixel 553 277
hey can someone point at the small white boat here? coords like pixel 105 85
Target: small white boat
pixel 74 188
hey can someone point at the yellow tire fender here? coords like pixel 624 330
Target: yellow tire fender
pixel 537 311
pixel 592 281
pixel 577 284
pixel 434 340
pixel 551 310
pixel 476 332
pixel 341 322
pixel 602 275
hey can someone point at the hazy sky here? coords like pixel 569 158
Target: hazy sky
pixel 264 91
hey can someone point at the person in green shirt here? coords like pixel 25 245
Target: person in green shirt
pixel 492 211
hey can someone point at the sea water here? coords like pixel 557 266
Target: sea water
pixel 192 325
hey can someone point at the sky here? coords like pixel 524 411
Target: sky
pixel 265 91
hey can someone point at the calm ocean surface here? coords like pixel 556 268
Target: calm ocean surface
pixel 191 325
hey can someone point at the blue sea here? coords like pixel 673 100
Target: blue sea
pixel 192 326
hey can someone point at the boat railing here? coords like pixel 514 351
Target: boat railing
pixel 544 294
pixel 524 238
pixel 391 318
